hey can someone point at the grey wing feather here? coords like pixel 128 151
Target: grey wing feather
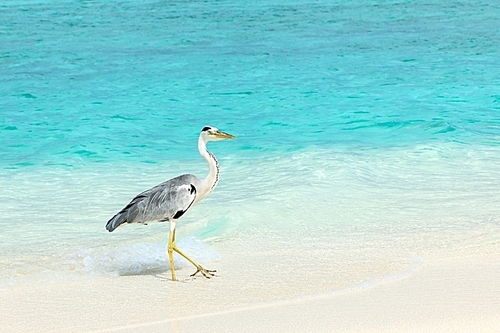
pixel 166 201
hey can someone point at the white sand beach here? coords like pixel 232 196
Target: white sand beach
pixel 453 294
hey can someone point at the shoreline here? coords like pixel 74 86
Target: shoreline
pixel 424 300
pixel 453 294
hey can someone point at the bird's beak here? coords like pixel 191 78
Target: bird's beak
pixel 223 135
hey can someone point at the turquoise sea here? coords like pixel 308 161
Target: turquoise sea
pixel 368 132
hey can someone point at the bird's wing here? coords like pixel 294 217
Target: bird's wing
pixel 166 201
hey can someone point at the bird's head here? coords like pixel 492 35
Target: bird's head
pixel 210 133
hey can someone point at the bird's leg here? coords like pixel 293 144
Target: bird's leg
pixel 170 248
pixel 205 272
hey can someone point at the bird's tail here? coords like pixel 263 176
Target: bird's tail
pixel 116 221
pixel 131 213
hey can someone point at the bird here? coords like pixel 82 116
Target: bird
pixel 170 200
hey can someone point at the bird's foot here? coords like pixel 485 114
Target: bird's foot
pixel 207 273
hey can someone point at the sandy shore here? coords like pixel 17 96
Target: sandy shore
pixel 460 294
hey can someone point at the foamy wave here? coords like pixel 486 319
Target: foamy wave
pixel 143 258
pixel 130 259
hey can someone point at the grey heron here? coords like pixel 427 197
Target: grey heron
pixel 170 200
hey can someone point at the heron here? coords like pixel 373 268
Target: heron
pixel 170 200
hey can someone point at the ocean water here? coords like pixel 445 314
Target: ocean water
pixel 368 133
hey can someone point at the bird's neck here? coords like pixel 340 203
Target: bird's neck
pixel 212 178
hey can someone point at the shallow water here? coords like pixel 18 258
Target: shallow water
pixel 363 215
pixel 366 131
